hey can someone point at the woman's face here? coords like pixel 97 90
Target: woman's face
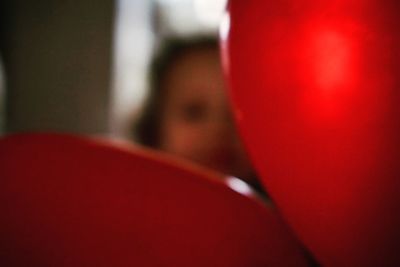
pixel 196 122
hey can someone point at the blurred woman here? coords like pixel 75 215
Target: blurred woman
pixel 187 113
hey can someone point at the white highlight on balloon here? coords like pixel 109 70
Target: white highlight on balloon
pixel 239 186
pixel 225 26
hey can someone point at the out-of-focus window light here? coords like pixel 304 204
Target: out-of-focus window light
pixel 190 16
pixel 175 17
pixel 209 12
pixel 133 41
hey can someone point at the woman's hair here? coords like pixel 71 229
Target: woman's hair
pixel 146 130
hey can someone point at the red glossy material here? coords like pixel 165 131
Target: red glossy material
pixel 316 89
pixel 69 201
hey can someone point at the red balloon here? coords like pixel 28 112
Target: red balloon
pixel 316 90
pixel 73 201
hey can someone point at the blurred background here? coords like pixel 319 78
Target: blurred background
pixel 80 66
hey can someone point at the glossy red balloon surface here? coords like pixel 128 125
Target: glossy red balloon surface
pixel 316 89
pixel 69 201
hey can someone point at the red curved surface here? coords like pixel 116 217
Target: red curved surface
pixel 315 86
pixel 74 201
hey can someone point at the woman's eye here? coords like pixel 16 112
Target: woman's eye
pixel 194 112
